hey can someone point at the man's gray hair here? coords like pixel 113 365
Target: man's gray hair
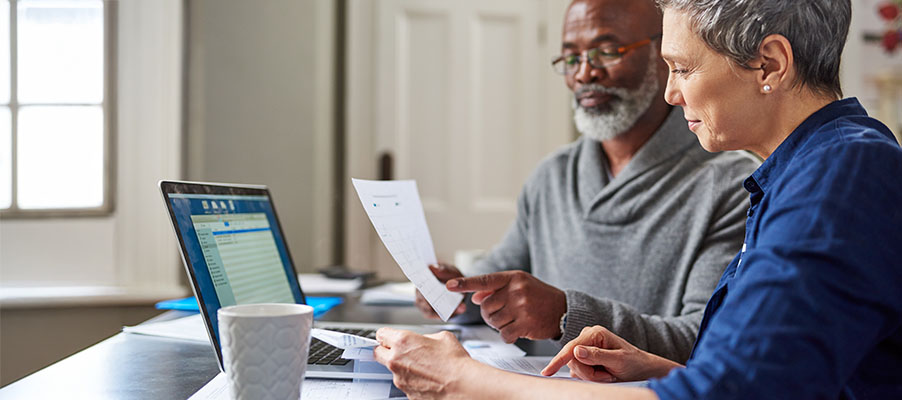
pixel 816 29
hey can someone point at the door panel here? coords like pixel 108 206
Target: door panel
pixel 423 96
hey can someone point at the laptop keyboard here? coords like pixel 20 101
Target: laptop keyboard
pixel 322 353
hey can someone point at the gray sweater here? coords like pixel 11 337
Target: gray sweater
pixel 639 254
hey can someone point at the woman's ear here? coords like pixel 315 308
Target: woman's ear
pixel 775 62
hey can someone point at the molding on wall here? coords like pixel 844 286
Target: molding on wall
pixel 150 141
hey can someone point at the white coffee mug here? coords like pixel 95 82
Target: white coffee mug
pixel 264 349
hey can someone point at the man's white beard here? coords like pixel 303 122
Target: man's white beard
pixel 622 111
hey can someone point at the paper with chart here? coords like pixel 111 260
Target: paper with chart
pixel 396 212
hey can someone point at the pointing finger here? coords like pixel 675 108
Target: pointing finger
pixel 562 358
pixel 485 282
pixel 443 272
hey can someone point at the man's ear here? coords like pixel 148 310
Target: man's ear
pixel 775 62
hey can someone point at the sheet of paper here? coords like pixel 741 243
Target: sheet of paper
pixel 483 341
pixel 358 353
pixel 524 365
pixel 188 328
pixel 492 349
pixel 342 340
pixel 329 389
pixel 396 212
pixel 311 389
pixel 217 388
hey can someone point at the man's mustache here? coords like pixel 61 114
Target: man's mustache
pixel 595 88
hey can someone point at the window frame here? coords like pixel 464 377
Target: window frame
pixel 109 120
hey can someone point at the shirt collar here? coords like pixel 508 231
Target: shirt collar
pixel 672 137
pixel 773 167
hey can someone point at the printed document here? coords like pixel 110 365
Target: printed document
pixel 342 340
pixel 530 365
pixel 396 212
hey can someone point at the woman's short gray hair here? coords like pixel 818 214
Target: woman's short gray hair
pixel 816 29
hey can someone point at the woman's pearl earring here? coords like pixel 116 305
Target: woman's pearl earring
pixel 767 88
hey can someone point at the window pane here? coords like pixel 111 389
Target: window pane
pixel 4 52
pixel 60 53
pixel 60 157
pixel 6 170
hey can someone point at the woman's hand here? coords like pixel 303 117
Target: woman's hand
pixel 599 355
pixel 424 366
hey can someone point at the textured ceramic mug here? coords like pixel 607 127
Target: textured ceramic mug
pixel 264 349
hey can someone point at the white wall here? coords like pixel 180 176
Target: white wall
pixel 261 87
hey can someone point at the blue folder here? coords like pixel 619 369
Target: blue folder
pixel 320 304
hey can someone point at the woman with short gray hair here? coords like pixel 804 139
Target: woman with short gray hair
pixel 810 307
pixel 816 29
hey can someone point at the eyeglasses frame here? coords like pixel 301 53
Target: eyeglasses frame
pixel 619 53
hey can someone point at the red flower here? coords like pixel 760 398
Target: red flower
pixel 890 40
pixel 888 11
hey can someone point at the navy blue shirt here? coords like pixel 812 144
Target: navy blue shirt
pixel 812 306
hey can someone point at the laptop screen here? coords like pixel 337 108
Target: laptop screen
pixel 236 251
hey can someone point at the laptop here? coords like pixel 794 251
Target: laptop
pixel 234 252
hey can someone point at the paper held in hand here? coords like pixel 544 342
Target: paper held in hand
pixel 342 340
pixel 396 212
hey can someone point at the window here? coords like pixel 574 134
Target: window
pixel 54 107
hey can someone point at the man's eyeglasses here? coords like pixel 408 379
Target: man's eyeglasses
pixel 599 57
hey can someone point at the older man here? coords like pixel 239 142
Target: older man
pixel 629 227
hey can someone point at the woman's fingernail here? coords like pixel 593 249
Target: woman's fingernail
pixel 581 352
pixel 453 283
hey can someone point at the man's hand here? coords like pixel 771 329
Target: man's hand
pixel 601 356
pixel 424 366
pixel 443 272
pixel 516 303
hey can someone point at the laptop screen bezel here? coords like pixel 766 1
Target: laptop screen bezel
pixel 185 187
